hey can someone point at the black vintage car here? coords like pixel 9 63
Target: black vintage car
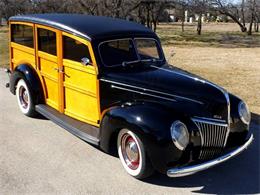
pixel 107 81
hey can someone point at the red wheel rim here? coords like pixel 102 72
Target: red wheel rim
pixel 23 97
pixel 130 151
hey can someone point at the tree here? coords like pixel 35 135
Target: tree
pixel 199 7
pixel 229 9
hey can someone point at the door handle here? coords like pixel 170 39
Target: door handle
pixel 58 70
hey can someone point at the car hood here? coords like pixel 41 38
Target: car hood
pixel 185 89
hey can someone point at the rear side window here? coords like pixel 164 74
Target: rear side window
pixel 47 41
pixel 74 50
pixel 22 34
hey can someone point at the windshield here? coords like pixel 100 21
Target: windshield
pixel 124 51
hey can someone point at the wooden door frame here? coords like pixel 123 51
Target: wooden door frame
pixel 94 64
pixel 58 57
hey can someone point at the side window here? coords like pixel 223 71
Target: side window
pixel 22 34
pixel 47 41
pixel 74 50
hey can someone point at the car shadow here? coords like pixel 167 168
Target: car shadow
pixel 240 175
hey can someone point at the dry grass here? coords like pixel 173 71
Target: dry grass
pixel 213 35
pixel 4 56
pixel 236 69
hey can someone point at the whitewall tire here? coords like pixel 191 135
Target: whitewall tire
pixel 24 98
pixel 132 154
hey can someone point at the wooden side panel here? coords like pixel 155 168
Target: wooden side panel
pixel 48 68
pixel 22 54
pixel 80 91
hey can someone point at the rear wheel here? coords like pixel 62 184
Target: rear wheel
pixel 132 154
pixel 24 98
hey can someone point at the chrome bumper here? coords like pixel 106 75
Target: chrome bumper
pixel 189 170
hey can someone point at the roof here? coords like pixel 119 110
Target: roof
pixel 90 27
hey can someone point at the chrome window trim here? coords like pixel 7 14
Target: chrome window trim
pixel 154 91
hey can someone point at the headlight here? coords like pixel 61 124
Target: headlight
pixel 180 135
pixel 244 112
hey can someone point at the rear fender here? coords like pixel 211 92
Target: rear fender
pixel 26 72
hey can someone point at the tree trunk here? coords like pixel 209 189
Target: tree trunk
pixel 199 27
pixel 251 24
pixel 242 27
pixel 154 25
pixel 182 20
pixel 256 25
pixel 243 13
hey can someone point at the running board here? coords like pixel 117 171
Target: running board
pixel 80 129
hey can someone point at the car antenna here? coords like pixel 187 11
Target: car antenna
pixel 172 54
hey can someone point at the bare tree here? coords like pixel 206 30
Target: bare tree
pixel 229 9
pixel 199 7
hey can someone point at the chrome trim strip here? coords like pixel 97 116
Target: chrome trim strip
pixel 209 122
pixel 209 119
pixel 142 93
pixel 189 170
pixel 49 23
pixel 150 90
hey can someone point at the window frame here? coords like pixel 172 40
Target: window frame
pixel 25 24
pixel 91 52
pixel 159 49
pixel 161 54
pixel 49 29
pixel 75 39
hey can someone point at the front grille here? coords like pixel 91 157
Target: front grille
pixel 213 137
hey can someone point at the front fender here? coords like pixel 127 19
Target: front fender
pixel 151 122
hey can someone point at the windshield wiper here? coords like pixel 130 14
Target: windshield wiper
pixel 126 63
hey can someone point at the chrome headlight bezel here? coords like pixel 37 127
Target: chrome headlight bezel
pixel 180 134
pixel 244 112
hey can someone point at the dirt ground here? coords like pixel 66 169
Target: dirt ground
pixel 236 69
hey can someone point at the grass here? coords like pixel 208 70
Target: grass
pixel 221 54
pixel 213 35
pixel 4 56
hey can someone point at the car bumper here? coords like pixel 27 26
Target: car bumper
pixel 189 170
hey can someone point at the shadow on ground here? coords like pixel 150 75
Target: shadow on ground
pixel 240 175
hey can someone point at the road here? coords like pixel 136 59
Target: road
pixel 37 156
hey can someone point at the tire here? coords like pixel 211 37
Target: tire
pixel 132 154
pixel 24 98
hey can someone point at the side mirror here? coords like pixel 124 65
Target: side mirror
pixel 85 61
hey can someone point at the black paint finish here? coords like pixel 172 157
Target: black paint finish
pixel 26 72
pixel 148 100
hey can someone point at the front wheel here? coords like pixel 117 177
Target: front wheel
pixel 132 154
pixel 24 98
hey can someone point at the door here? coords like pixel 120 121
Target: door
pixel 47 64
pixel 80 84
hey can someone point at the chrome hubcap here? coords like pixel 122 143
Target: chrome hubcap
pixel 23 97
pixel 130 151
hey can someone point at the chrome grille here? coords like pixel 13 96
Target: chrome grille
pixel 213 137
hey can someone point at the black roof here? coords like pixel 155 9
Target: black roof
pixel 90 27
